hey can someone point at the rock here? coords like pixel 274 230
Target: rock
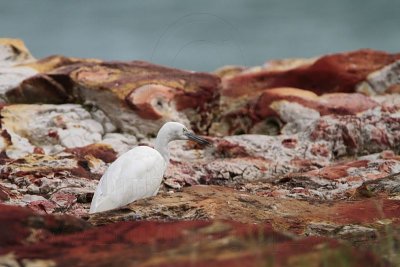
pixel 4 193
pixel 301 147
pixel 13 52
pixel 218 202
pixel 11 77
pixel 342 179
pixel 51 63
pixel 263 157
pixel 197 243
pixel 380 81
pixel 390 185
pixel 354 233
pixel 22 226
pixel 137 96
pixel 292 110
pixel 250 99
pixel 49 176
pixel 340 72
pixel 120 143
pixel 49 127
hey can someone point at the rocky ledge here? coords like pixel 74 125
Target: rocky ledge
pixel 304 169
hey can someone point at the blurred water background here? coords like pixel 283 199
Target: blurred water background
pixel 200 35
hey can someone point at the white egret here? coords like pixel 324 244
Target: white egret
pixel 138 173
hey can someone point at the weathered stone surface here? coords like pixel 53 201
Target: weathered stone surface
pixel 339 72
pixel 367 223
pixel 137 96
pixel 289 110
pixel 339 181
pixel 331 171
pixel 243 205
pixel 194 243
pixel 247 104
pixel 39 177
pixel 303 161
pixel 51 128
pixel 13 53
pixel 389 185
pixel 246 157
pixel 21 226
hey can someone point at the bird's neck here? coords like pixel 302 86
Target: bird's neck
pixel 161 146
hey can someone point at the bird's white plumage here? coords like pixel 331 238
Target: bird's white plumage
pixel 134 175
pixel 138 173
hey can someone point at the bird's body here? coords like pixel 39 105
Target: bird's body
pixel 134 175
pixel 138 173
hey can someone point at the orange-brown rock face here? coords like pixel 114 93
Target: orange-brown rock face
pixel 137 96
pixel 328 74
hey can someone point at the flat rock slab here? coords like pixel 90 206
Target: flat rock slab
pixel 285 214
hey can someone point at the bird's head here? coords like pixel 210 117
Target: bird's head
pixel 177 131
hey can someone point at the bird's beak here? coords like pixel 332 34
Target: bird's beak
pixel 197 139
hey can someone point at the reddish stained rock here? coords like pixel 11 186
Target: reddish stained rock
pixel 128 89
pixel 289 142
pixel 327 139
pixel 194 243
pixel 340 170
pixel 368 131
pixel 224 148
pixel 63 199
pixel 101 151
pixel 319 149
pixel 21 226
pixel 63 183
pixel 42 206
pixel 346 219
pixel 368 211
pixel 37 165
pixel 142 100
pixel 341 180
pixel 253 96
pixel 331 73
pixel 339 103
pixel 4 193
pixel 388 185
pixel 287 106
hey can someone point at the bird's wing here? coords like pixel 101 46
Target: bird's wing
pixel 134 175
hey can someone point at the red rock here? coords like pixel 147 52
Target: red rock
pixel 290 104
pixel 218 242
pixel 139 90
pixel 388 185
pixel 338 103
pixel 289 143
pixel 20 226
pixel 4 193
pixel 101 151
pixel 63 199
pixel 332 73
pixel 368 211
pixel 42 206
